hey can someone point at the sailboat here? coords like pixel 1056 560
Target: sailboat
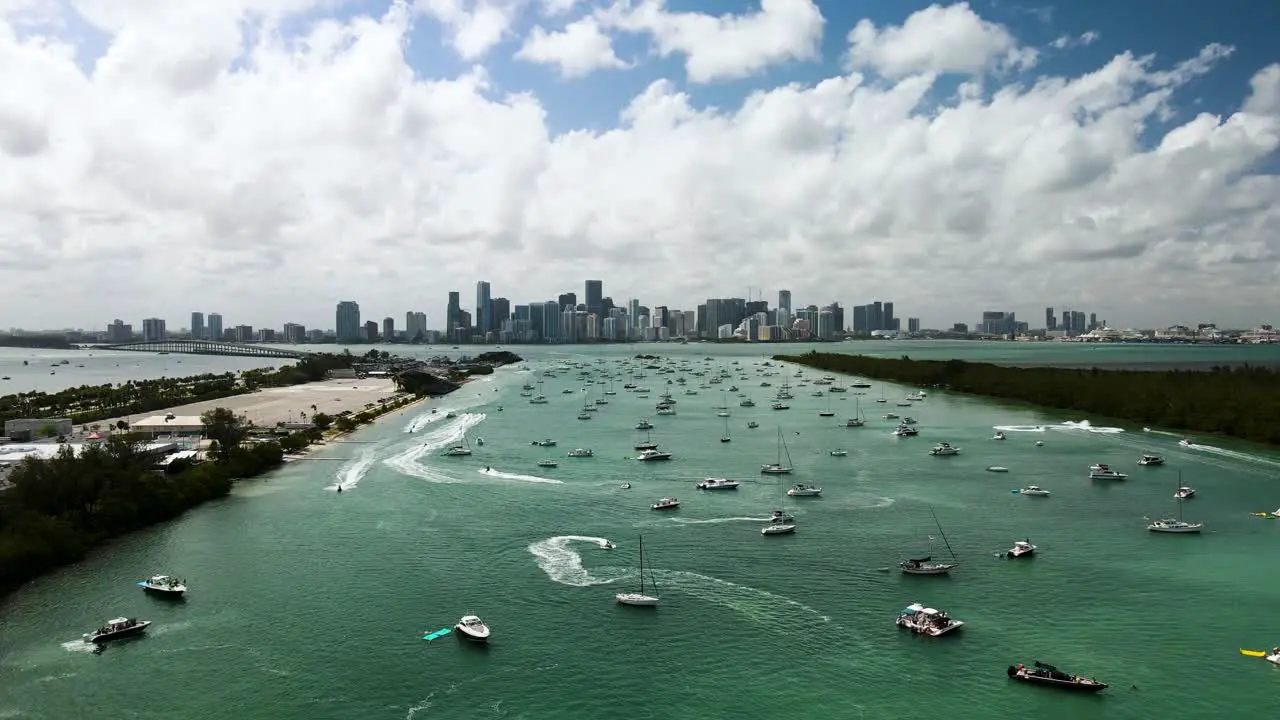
pixel 858 420
pixel 538 399
pixel 640 599
pixel 648 443
pixel 782 523
pixel 1169 525
pixel 923 563
pixel 725 438
pixel 776 467
pixel 828 412
pixel 460 450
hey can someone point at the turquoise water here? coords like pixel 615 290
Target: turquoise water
pixel 310 603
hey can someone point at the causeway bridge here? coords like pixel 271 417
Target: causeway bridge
pixel 209 347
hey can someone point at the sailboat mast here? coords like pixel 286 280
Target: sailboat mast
pixel 641 564
pixel 943 534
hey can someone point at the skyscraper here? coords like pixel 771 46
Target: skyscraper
pixel 569 300
pixel 388 330
pixel 214 329
pixel 451 316
pixel 500 312
pixel 784 300
pixel 153 330
pixel 484 308
pixel 595 296
pixel 197 326
pixel 1050 322
pixel 347 322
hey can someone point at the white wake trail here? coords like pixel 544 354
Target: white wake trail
pixel 407 462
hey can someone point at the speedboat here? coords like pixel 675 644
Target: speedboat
pixel 1034 491
pixel 164 586
pixel 457 451
pixel 997 468
pixel 1169 525
pixel 1105 473
pixel 944 449
pixel 666 503
pixel 802 490
pixel 927 621
pixel 116 629
pixel 924 565
pixel 472 628
pixel 548 463
pixel 607 545
pixel 906 431
pixel 1044 674
pixel 718 484
pixel 1151 460
pixel 544 443
pixel 839 453
pixel 1184 493
pixel 1021 548
pixel 450 416
pixel 1186 442
pixel 581 452
pixel 652 455
pixel 998 436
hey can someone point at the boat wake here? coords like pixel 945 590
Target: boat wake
pixel 713 521
pixel 490 472
pixel 354 470
pixel 1080 425
pixel 80 645
pixel 563 564
pixel 1231 454
pixel 435 415
pixel 406 463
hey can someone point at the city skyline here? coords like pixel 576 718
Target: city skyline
pixel 963 155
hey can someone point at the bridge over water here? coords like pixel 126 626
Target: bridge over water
pixel 209 347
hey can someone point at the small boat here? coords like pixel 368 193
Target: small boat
pixel 1151 460
pixel 906 431
pixel 626 486
pixel 854 422
pixel 997 468
pixel 803 490
pixel 1184 493
pixel 581 452
pixel 640 599
pixel 944 449
pixel 782 516
pixel 116 629
pixel 753 425
pixel 924 565
pixel 1170 525
pixel 998 436
pixel 472 628
pixel 666 503
pixel 910 421
pixel 890 416
pixel 1021 548
pixel 163 586
pixel 839 453
pixel 548 463
pixel 780 527
pixel 1186 442
pixel 927 621
pixel 718 484
pixel 1034 491
pixel 644 424
pixel 450 416
pixel 544 443
pixel 1043 674
pixel 780 406
pixel 652 455
pixel 1105 473
pixel 607 545
pixel 461 450
pixel 1039 443
pixel 583 416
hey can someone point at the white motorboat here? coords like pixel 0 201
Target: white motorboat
pixel 641 598
pixel 652 455
pixel 1184 493
pixel 163 586
pixel 997 468
pixel 581 452
pixel 1106 474
pixel 1151 460
pixel 839 453
pixel 472 628
pixel 666 503
pixel 718 484
pixel 780 406
pixel 116 629
pixel 916 396
pixel 906 431
pixel 1034 491
pixel 544 443
pixel 1186 442
pixel 944 449
pixel 803 490
pixel 1099 467
pixel 927 621
pixel 908 420
pixel 890 416
pixel 1021 548
pixel 644 424
pixel 548 463
pixel 1169 525
pixel 781 517
pixel 666 410
pixel 998 436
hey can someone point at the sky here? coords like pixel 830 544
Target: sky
pixel 267 158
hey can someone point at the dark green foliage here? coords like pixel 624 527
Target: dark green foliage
pixel 1242 402
pixel 58 509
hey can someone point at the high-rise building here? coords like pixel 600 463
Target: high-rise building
pixel 197 326
pixel 784 300
pixel 119 332
pixel 501 312
pixel 536 322
pixel 370 331
pixel 244 333
pixel 388 330
pixel 913 325
pixel 1050 322
pixel 889 322
pixel 451 315
pixel 153 330
pixel 347 322
pixel 595 297
pixel 415 326
pixel 484 308
pixel 213 330
pixel 568 300
pixel 1093 321
pixel 551 321
pixel 294 334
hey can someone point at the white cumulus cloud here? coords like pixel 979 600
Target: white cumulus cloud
pixel 209 162
pixel 951 39
pixel 577 50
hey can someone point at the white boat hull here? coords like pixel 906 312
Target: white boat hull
pixel 778 529
pixel 807 492
pixel 636 599
pixel 928 570
pixel 1184 530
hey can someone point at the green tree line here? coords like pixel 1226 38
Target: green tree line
pixel 1242 402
